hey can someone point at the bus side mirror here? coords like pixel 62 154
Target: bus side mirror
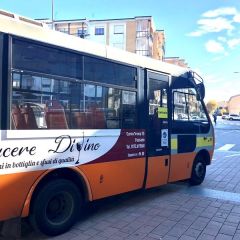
pixel 200 91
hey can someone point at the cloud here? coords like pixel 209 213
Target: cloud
pixel 196 33
pixel 233 43
pixel 216 59
pixel 217 20
pixel 209 25
pixel 213 46
pixel 220 12
pixel 236 18
pixel 222 39
pixel 215 25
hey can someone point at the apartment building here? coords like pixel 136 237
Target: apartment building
pixel 137 34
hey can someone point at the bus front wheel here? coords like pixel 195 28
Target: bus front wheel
pixel 198 171
pixel 56 207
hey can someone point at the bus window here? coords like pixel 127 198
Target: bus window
pixel 30 56
pixel 112 73
pixel 79 105
pixel 187 110
pixel 42 74
pixel 158 117
pixel 129 109
pixel 31 94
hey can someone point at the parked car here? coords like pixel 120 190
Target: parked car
pixel 233 117
pixel 225 115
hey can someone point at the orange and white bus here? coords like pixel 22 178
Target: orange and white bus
pixel 82 121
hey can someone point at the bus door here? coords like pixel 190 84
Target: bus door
pixel 158 151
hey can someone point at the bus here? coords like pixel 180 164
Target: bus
pixel 81 121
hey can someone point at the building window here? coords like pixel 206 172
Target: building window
pixel 99 31
pixel 118 29
pixel 63 30
pixel 118 45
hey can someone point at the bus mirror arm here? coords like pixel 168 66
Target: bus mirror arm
pixel 200 91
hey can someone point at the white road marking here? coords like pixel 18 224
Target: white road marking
pixel 233 155
pixel 226 147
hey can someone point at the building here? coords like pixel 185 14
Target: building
pixel 137 35
pixel 176 60
pixel 234 104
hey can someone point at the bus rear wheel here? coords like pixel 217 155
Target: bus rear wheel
pixel 56 207
pixel 198 171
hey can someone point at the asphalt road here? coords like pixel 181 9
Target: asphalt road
pixel 227 135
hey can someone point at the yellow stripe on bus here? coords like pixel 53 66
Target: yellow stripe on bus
pixel 204 141
pixel 174 143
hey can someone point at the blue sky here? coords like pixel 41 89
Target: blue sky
pixel 206 33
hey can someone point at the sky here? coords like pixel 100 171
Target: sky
pixel 206 33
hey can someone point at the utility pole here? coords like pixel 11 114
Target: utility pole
pixel 52 14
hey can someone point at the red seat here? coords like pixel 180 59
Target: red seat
pixel 97 117
pixel 18 118
pixel 29 117
pixel 99 121
pixel 80 120
pixel 55 115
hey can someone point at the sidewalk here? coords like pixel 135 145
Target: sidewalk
pixel 171 212
pixel 158 214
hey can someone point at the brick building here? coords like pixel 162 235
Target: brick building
pixel 176 60
pixel 137 35
pixel 234 104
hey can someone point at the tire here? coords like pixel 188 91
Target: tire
pixel 56 207
pixel 198 171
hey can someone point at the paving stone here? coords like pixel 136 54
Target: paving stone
pixel 119 224
pixel 136 236
pixel 169 238
pixel 234 218
pixel 169 223
pixel 149 238
pixel 81 236
pixel 227 206
pixel 108 232
pixel 236 209
pixel 222 214
pixel 192 233
pixel 91 232
pixel 228 230
pixel 146 229
pixel 155 236
pixel 177 230
pixel 216 204
pixel 236 237
pixel 98 238
pixel 218 219
pixel 223 237
pixel 161 230
pixel 185 237
pixel 204 236
pixel 200 223
pixel 212 228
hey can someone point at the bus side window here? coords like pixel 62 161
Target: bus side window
pixel 188 113
pixel 42 73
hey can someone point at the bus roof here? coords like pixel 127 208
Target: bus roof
pixel 32 29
